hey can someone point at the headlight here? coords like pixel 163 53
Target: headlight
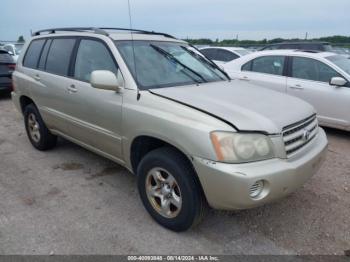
pixel 241 147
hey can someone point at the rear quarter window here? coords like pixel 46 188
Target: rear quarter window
pixel 32 55
pixel 247 66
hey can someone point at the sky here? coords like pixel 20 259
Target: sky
pixel 222 19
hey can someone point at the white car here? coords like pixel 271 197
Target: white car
pixel 320 78
pixel 13 49
pixel 222 55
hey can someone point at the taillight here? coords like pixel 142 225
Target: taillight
pixel 12 66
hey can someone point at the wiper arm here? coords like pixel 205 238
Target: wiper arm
pixel 206 60
pixel 173 58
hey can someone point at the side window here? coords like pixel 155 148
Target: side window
pixel 33 52
pixel 269 65
pixel 44 53
pixel 311 69
pixel 92 55
pixel 225 56
pixel 59 56
pixel 247 66
pixel 209 53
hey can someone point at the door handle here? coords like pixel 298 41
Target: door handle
pixel 72 89
pixel 37 77
pixel 297 86
pixel 244 78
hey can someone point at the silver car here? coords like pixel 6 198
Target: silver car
pixel 155 105
pixel 319 78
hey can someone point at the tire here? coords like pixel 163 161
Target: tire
pixel 167 161
pixel 38 134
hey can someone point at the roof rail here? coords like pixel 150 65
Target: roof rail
pixel 308 51
pixel 71 29
pixel 98 30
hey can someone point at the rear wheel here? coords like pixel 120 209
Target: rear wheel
pixel 38 134
pixel 169 189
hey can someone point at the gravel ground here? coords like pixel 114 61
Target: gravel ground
pixel 71 201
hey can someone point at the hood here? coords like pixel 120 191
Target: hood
pixel 247 107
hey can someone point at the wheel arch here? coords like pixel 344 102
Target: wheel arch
pixel 143 144
pixel 25 101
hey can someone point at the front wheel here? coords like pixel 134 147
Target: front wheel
pixel 170 190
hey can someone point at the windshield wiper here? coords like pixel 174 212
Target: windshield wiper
pixel 206 60
pixel 173 58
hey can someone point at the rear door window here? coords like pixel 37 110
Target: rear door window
pixel 210 53
pixel 60 52
pixel 33 53
pixel 44 53
pixel 268 65
pixel 225 55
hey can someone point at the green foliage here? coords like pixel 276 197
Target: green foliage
pixel 21 39
pixel 335 40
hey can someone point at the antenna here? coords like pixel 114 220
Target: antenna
pixel 133 50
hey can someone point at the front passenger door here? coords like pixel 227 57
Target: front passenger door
pixel 310 81
pixel 96 113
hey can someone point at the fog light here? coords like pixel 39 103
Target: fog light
pixel 256 189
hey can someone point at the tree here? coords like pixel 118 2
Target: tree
pixel 21 39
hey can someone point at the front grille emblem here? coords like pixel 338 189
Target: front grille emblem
pixel 306 135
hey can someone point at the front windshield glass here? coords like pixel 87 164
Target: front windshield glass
pixel 328 48
pixel 242 52
pixel 341 61
pixel 164 64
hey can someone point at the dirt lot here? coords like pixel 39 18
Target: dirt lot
pixel 71 201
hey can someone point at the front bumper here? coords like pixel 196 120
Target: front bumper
pixel 227 186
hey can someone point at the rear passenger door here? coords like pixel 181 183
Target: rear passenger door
pixel 95 113
pixel 265 71
pixel 52 80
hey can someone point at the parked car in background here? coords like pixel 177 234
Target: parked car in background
pixel 341 51
pixel 221 55
pixel 315 46
pixel 320 78
pixel 13 49
pixel 192 136
pixel 7 66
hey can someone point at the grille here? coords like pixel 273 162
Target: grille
pixel 297 135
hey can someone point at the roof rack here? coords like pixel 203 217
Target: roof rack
pixel 98 30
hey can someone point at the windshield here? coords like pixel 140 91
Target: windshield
pixel 341 61
pixel 165 64
pixel 328 47
pixel 242 52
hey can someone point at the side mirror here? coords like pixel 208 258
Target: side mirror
pixel 104 79
pixel 338 81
